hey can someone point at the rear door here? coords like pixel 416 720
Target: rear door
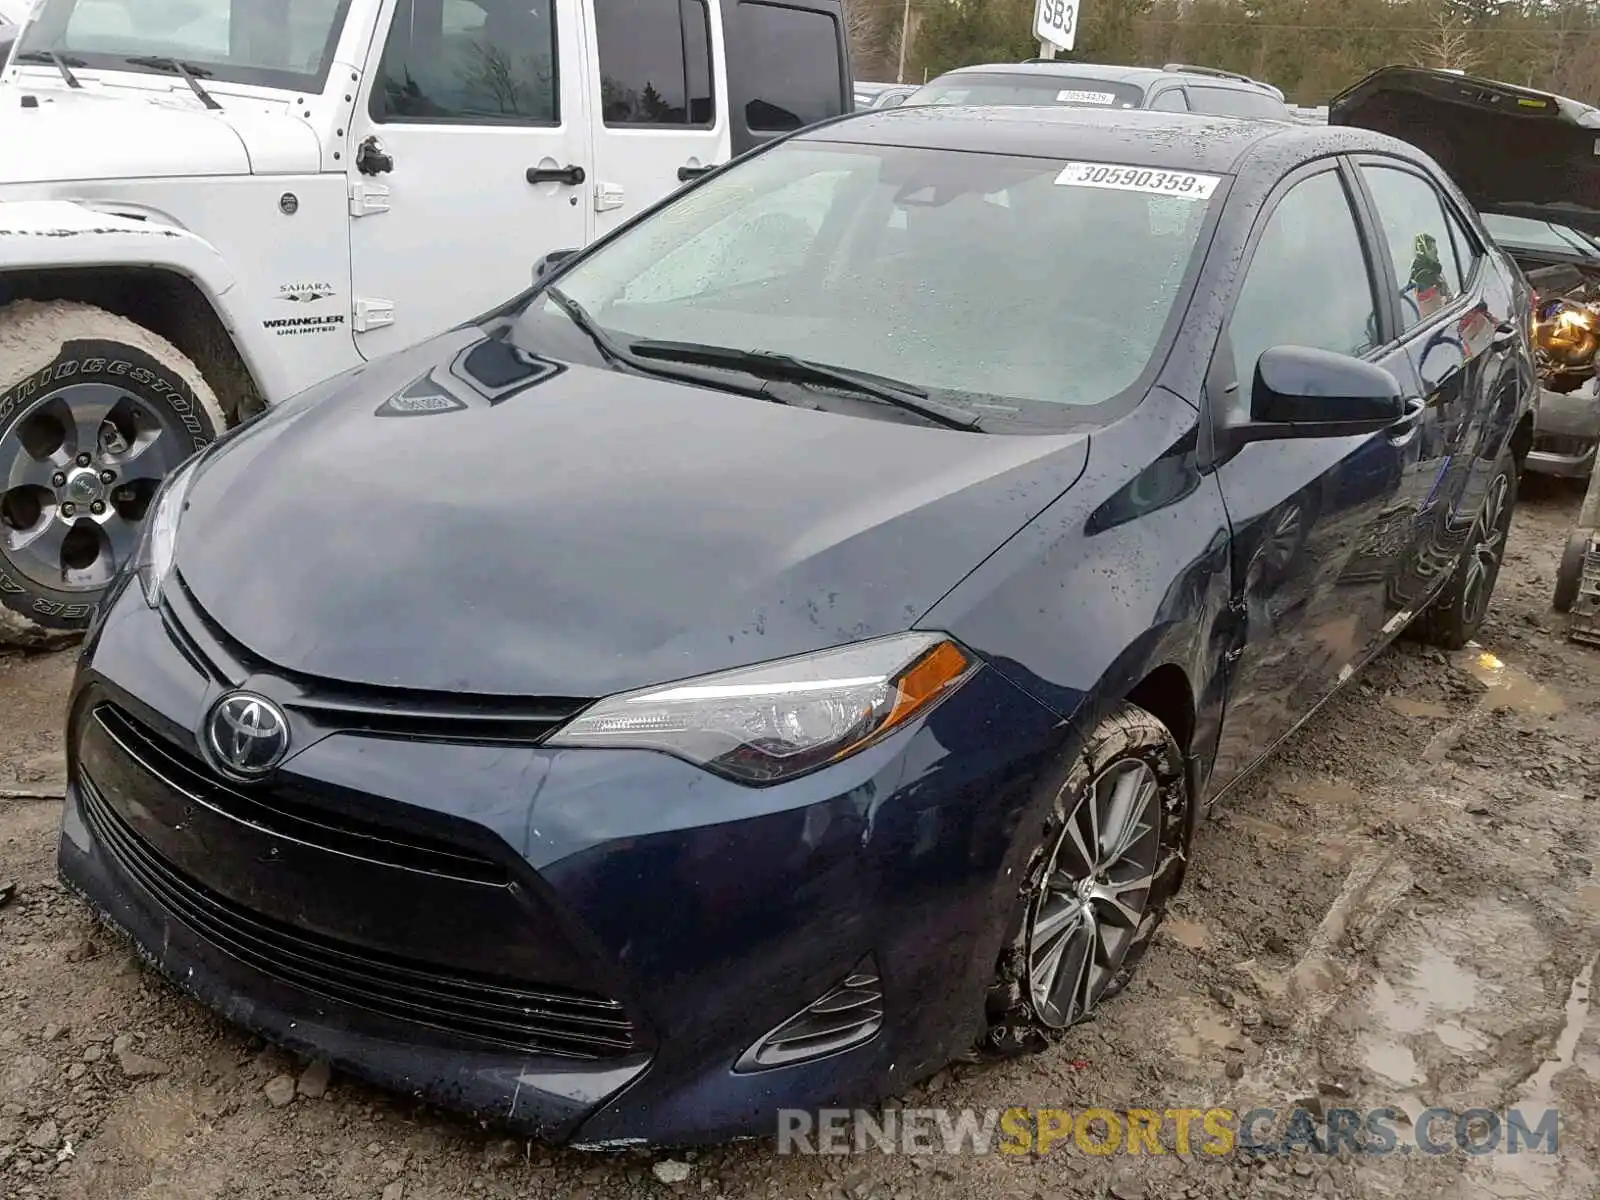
pixel 657 69
pixel 1450 322
pixel 788 67
pixel 1312 519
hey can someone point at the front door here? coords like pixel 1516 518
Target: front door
pixel 1313 519
pixel 663 118
pixel 478 163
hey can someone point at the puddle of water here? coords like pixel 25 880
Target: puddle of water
pixel 1542 1175
pixel 1192 934
pixel 1509 686
pixel 1407 707
pixel 1436 987
pixel 1208 1035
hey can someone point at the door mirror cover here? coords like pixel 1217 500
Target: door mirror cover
pixel 1301 386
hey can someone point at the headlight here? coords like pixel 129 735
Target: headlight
pixel 773 722
pixel 159 538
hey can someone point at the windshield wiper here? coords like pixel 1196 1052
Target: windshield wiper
pixel 615 352
pixel 161 62
pixel 771 364
pixel 58 61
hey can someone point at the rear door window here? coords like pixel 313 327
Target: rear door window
pixel 1234 102
pixel 655 62
pixel 1411 214
pixel 791 62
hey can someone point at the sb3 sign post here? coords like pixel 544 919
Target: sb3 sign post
pixel 1055 24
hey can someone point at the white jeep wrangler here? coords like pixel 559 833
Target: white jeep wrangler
pixel 207 206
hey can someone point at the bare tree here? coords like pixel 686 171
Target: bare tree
pixel 1448 47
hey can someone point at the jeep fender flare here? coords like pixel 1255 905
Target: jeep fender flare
pixel 46 235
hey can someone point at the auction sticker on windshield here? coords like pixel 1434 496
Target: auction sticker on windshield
pixel 1186 184
pixel 1069 96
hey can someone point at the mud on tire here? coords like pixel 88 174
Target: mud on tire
pixel 94 410
pixel 1453 618
pixel 1127 744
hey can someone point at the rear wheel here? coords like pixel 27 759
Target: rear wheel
pixel 95 410
pixel 1097 883
pixel 1457 613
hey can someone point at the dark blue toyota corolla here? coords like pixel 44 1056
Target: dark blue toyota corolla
pixel 791 646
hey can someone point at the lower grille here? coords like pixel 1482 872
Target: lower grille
pixel 546 1022
pixel 271 809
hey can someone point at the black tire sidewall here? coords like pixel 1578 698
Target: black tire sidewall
pixel 143 376
pixel 1115 732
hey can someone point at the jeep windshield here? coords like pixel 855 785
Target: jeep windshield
pixel 268 43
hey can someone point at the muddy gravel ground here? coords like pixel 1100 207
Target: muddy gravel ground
pixel 1401 910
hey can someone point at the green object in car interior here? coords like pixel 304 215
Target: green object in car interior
pixel 1427 272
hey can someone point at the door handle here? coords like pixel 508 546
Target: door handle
pixel 571 176
pixel 686 173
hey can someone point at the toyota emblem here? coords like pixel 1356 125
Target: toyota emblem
pixel 246 735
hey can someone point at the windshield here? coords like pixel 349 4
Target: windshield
pixel 1538 235
pixel 271 43
pixel 1012 286
pixel 973 87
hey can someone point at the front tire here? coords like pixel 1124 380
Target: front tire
pixel 95 410
pixel 1457 613
pixel 1106 862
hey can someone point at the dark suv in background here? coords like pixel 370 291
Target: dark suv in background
pixel 1173 88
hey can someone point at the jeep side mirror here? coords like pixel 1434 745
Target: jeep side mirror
pixel 550 262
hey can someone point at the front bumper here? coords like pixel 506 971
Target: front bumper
pixel 578 944
pixel 1566 436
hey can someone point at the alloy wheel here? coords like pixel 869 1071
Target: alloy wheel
pixel 1094 892
pixel 78 470
pixel 1486 549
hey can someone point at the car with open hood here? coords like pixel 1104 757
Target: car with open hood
pixel 1526 160
pixel 792 645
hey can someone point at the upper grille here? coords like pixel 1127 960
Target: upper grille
pixel 535 1021
pixel 333 706
pixel 1563 444
pixel 275 812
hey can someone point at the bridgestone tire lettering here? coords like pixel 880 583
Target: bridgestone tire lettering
pixel 44 346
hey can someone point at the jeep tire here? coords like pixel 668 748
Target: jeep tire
pixel 95 410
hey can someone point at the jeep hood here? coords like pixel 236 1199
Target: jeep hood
pixel 1511 150
pixel 81 135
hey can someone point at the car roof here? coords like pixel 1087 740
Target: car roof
pixel 1133 137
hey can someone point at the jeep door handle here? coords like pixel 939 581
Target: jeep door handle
pixel 571 176
pixel 686 173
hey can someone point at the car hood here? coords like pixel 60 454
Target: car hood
pixel 1510 149
pixel 464 518
pixel 84 135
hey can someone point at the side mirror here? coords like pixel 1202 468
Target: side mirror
pixel 1299 392
pixel 549 263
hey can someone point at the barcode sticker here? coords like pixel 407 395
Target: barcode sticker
pixel 1185 184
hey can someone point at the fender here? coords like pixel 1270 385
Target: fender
pixel 46 235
